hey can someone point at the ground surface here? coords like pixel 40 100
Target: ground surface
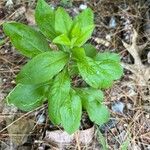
pixel 122 27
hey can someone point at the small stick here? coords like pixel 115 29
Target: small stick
pixel 77 140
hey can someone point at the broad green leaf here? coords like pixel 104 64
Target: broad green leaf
pixel 79 35
pixel 45 19
pixel 79 54
pixel 63 21
pixel 27 97
pixel 58 93
pixel 75 33
pixel 97 112
pixel 85 18
pixel 62 39
pixel 76 30
pixel 71 113
pixel 90 50
pixel 92 102
pixel 94 74
pixel 107 56
pixel 89 95
pixel 111 63
pixel 98 74
pixel 86 33
pixel 84 26
pixel 42 68
pixel 27 40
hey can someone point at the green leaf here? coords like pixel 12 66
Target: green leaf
pixel 89 94
pixel 71 113
pixel 79 54
pixel 59 92
pixel 62 39
pixel 92 102
pixel 98 74
pixel 86 33
pixel 45 19
pixel 66 3
pixel 94 75
pixel 98 112
pixel 27 97
pixel 75 33
pixel 42 68
pixel 76 30
pixel 107 56
pixel 126 142
pixel 2 42
pixel 27 40
pixel 90 50
pixel 85 18
pixel 83 27
pixel 101 139
pixel 63 21
pixel 87 68
pixel 111 63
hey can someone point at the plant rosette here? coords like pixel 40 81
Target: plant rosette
pixel 48 74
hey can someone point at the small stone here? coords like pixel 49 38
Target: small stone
pixel 83 6
pixel 147 116
pixel 41 148
pixel 148 147
pixel 6 51
pixel 108 37
pixel 9 3
pixel 41 119
pixel 120 128
pixel 129 106
pixel 125 125
pixel 112 22
pixel 13 82
pixel 4 80
pixel 118 107
pixel 132 92
pixel 109 125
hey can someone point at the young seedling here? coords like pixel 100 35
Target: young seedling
pixel 48 75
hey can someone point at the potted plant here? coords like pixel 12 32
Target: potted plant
pixel 49 73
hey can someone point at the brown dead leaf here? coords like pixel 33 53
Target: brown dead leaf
pixel 30 16
pixel 18 127
pixel 86 136
pixel 20 130
pixel 61 138
pixel 58 138
pixel 141 73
